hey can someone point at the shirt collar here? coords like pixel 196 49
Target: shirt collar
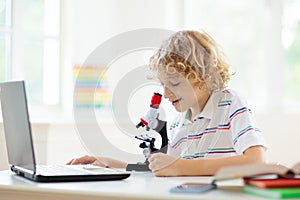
pixel 208 109
pixel 207 112
pixel 185 117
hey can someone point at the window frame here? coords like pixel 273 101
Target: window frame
pixel 16 69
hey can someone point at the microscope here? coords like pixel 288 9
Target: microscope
pixel 150 121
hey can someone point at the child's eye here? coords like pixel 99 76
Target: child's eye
pixel 175 84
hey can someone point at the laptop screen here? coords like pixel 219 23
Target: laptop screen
pixel 16 125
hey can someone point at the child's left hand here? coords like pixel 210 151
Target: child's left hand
pixel 164 165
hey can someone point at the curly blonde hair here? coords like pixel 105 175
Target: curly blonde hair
pixel 196 56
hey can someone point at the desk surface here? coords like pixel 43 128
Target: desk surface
pixel 137 186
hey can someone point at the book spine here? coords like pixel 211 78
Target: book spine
pixel 261 192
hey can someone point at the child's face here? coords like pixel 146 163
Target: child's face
pixel 181 93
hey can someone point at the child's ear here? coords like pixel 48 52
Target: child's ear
pixel 202 86
pixel 199 84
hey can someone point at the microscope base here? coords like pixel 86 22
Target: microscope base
pixel 141 167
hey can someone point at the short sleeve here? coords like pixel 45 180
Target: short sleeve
pixel 243 127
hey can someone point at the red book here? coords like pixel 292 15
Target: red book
pixel 274 183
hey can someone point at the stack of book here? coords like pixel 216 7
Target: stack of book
pixel 266 180
pixel 278 188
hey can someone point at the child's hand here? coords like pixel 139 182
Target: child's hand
pixel 87 160
pixel 164 165
pixel 99 161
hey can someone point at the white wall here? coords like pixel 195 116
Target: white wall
pixel 282 136
pixel 58 143
pixel 86 24
pixel 95 21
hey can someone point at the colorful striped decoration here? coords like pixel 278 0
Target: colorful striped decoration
pixel 91 87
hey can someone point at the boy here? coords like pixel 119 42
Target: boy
pixel 214 127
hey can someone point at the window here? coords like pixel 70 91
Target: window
pixel 262 41
pixel 5 38
pixel 30 42
pixel 291 44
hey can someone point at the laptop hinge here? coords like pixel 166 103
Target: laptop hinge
pixel 18 169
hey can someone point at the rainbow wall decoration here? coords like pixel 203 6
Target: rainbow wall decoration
pixel 91 87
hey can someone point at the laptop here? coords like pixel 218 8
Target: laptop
pixel 19 143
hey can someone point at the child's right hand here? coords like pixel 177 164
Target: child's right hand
pixel 99 161
pixel 87 160
pixel 164 165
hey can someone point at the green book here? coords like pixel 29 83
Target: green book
pixel 278 193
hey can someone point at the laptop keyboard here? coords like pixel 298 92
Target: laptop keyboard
pixel 61 170
pixel 74 170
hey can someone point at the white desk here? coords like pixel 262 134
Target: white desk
pixel 137 186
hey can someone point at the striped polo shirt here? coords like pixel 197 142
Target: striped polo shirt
pixel 225 127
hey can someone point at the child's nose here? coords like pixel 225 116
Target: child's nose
pixel 167 92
